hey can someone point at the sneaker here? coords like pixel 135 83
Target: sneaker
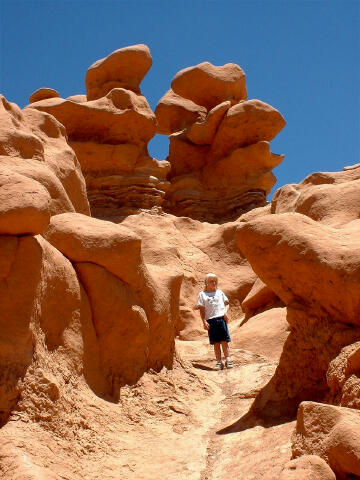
pixel 219 366
pixel 229 364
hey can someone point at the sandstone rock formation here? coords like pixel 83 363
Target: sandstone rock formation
pixel 91 308
pixel 39 173
pixel 260 298
pixel 125 68
pixel 329 198
pixel 109 131
pixel 307 467
pixel 343 377
pixel 218 168
pixel 221 164
pixel 323 319
pixel 264 334
pixel 333 433
pixel 43 94
pixel 192 248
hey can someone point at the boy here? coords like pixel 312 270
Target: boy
pixel 213 305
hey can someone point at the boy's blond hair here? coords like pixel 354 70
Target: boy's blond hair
pixel 208 276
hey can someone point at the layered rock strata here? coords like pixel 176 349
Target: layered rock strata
pixel 221 164
pixel 109 131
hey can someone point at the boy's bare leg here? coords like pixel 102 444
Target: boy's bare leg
pixel 217 351
pixel 225 349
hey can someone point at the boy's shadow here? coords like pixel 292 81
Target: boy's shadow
pixel 202 366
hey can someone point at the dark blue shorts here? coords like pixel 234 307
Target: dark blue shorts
pixel 218 331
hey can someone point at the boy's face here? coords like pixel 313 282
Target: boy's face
pixel 211 284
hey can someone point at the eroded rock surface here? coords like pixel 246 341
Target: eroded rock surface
pixel 90 308
pixel 192 248
pixel 316 279
pixel 307 467
pixel 332 433
pixel 109 132
pixel 40 174
pixel 221 164
pixel 329 198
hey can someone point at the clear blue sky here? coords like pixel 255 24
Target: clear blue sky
pixel 302 57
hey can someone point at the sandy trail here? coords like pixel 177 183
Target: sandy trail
pixel 166 426
pixel 251 451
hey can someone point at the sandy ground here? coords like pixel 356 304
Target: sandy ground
pixel 180 424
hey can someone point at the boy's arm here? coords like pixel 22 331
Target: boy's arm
pixel 202 315
pixel 227 305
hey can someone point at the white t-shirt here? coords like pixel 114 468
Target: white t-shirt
pixel 214 303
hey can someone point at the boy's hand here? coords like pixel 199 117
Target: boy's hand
pixel 226 318
pixel 206 325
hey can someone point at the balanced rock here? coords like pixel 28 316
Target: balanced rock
pixel 43 94
pixel 123 68
pixel 213 176
pixel 109 131
pixel 209 85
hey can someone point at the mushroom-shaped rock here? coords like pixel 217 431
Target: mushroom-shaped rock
pixel 174 113
pixel 85 239
pixel 24 205
pixel 208 85
pixel 123 68
pixel 246 123
pixel 331 432
pixel 307 467
pixel 326 260
pixel 43 94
